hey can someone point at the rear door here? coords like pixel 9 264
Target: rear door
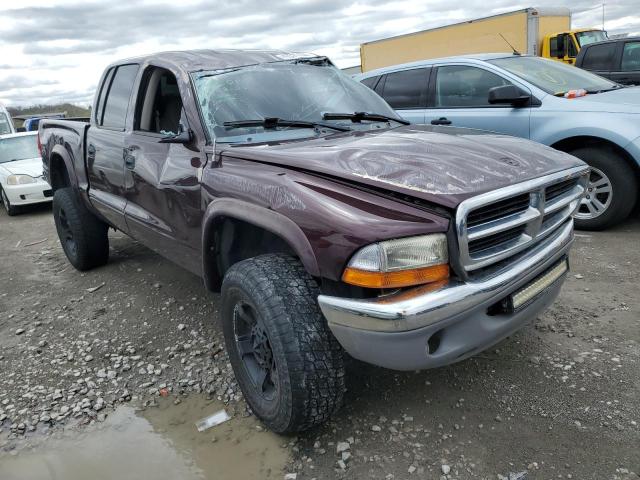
pixel 406 92
pixel 105 144
pixel 628 67
pixel 459 96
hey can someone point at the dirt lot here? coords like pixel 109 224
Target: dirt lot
pixel 120 362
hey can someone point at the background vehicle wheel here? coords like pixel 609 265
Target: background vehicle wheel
pixel 612 190
pixel 84 237
pixel 286 360
pixel 11 210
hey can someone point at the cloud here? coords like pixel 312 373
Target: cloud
pixel 20 82
pixel 69 42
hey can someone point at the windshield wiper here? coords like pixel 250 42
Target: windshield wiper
pixel 616 87
pixel 357 117
pixel 275 122
pixel 590 92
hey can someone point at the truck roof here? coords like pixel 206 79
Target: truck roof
pixel 194 60
pixel 541 12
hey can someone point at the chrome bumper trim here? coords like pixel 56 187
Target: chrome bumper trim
pixel 404 311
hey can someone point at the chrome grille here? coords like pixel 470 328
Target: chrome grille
pixel 496 225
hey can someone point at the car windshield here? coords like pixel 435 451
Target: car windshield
pixel 585 38
pixel 552 76
pixel 5 126
pixel 18 148
pixel 287 91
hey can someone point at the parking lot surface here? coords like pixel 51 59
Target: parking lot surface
pixel 135 348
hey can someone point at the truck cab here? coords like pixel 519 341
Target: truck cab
pixel 565 46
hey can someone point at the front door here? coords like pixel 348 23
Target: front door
pixel 459 97
pixel 162 179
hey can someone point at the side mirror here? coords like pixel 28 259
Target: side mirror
pixel 509 95
pixel 183 136
pixel 562 46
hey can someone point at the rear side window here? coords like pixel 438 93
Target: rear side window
pixel 103 91
pixel 371 82
pixel 631 57
pixel 118 95
pixel 406 89
pixel 599 57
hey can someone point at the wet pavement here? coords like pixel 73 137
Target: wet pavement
pixel 157 443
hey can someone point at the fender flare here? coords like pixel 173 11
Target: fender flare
pixel 59 151
pixel 262 217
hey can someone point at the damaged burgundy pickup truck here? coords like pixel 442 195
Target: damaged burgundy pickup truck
pixel 326 222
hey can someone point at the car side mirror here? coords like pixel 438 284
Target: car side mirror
pixel 508 95
pixel 184 135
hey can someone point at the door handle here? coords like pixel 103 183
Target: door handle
pixel 441 121
pixel 129 157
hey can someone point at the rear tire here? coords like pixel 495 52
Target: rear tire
pixel 84 237
pixel 612 189
pixel 286 360
pixel 11 210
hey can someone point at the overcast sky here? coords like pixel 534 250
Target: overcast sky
pixel 55 50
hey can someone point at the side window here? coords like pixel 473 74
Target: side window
pixel 103 92
pixel 599 57
pixel 371 82
pixel 115 108
pixel 380 85
pixel 553 47
pixel 631 57
pixel 463 86
pixel 406 89
pixel 159 104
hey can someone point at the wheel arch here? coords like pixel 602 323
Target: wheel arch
pixel 61 172
pixel 581 141
pixel 234 230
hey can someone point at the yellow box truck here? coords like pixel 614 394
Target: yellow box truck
pixel 535 31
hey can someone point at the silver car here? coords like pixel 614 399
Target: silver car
pixel 558 105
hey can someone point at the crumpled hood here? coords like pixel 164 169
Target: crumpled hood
pixel 30 166
pixel 443 165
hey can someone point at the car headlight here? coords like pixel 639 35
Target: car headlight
pixel 20 179
pixel 400 263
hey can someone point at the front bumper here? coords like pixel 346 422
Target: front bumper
pixel 419 329
pixel 37 192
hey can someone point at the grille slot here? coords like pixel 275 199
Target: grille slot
pixel 558 189
pixel 497 240
pixel 499 209
pixel 495 226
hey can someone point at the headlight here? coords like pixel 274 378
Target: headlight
pixel 20 179
pixel 400 263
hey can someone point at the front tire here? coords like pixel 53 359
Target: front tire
pixel 611 192
pixel 287 362
pixel 11 210
pixel 83 236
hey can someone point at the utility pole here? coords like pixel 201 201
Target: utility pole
pixel 603 16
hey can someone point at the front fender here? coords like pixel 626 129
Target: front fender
pixel 270 220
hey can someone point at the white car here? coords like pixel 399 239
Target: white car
pixel 21 181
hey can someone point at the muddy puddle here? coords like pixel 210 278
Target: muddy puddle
pixel 158 443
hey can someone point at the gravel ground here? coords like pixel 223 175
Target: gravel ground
pixel 560 399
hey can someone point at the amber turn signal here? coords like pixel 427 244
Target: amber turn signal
pixel 395 279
